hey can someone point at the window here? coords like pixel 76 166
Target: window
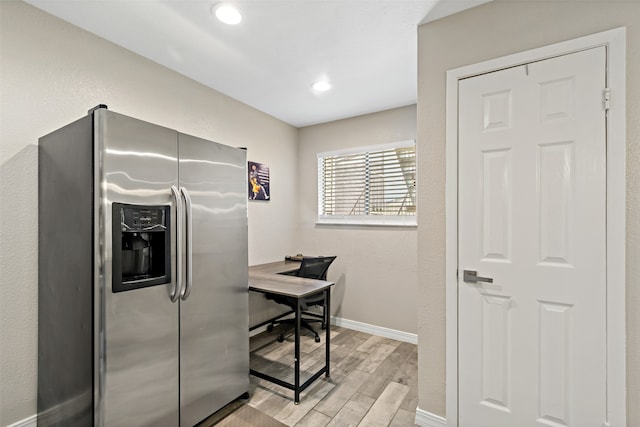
pixel 372 185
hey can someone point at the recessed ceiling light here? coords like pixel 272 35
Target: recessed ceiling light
pixel 227 14
pixel 321 86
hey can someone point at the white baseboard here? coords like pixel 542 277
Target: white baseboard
pixel 362 327
pixel 31 421
pixel 70 408
pixel 257 331
pixel 263 328
pixel 427 419
pixel 375 330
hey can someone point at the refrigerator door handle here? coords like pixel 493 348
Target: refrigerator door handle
pixel 186 291
pixel 175 292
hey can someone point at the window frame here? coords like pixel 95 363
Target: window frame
pixel 373 220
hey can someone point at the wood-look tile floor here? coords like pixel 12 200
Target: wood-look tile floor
pixel 373 382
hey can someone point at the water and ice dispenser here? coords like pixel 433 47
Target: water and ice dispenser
pixel 141 246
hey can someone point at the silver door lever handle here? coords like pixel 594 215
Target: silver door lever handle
pixel 471 276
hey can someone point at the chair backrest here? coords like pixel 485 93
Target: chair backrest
pixel 315 267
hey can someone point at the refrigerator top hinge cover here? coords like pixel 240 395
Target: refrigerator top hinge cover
pixel 97 107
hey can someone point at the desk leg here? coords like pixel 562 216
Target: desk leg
pixel 296 391
pixel 327 316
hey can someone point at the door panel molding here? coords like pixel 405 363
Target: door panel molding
pixel 614 41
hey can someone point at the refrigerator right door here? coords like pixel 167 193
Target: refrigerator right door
pixel 214 325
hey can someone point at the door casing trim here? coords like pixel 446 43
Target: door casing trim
pixel 615 42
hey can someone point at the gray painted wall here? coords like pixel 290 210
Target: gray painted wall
pixel 52 73
pixel 489 31
pixel 376 266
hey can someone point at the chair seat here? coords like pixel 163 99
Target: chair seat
pixel 305 303
pixel 310 268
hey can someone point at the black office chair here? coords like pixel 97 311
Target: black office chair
pixel 310 268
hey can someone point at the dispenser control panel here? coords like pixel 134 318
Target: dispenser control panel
pixel 142 219
pixel 141 238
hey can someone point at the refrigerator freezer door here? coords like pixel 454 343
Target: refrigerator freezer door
pixel 137 330
pixel 214 349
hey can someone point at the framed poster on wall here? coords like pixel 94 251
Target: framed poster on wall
pixel 258 182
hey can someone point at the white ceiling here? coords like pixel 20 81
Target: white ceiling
pixel 367 49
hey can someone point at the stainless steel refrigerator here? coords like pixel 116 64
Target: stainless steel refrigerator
pixel 142 262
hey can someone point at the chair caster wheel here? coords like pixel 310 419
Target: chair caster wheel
pixel 317 339
pixel 280 338
pixel 269 328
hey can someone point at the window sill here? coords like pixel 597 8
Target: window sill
pixel 403 221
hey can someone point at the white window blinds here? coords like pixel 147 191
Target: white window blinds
pixel 375 185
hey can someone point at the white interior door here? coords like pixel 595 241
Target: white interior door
pixel 532 201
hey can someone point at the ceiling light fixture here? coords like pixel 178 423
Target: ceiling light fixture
pixel 321 86
pixel 227 14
